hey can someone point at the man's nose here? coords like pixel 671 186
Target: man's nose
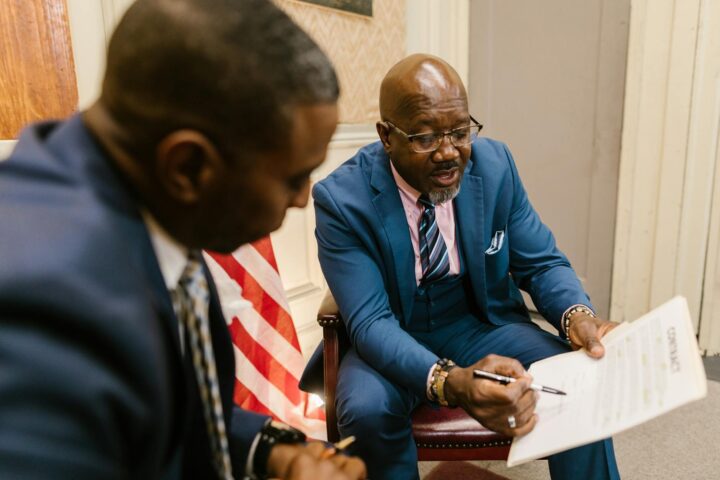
pixel 446 150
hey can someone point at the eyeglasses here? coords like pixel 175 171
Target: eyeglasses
pixel 429 142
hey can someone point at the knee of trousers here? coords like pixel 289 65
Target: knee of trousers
pixel 368 417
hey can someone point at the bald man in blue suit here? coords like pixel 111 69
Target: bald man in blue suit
pixel 409 325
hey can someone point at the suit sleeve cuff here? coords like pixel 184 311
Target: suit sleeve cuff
pixel 245 429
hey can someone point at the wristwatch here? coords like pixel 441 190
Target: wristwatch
pixel 271 434
pixel 442 369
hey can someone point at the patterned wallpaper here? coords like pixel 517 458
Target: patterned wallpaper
pixel 362 49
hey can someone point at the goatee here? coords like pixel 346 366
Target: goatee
pixel 445 195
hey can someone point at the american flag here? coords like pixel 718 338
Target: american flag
pixel 268 360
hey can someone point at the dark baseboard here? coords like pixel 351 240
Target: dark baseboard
pixel 712 368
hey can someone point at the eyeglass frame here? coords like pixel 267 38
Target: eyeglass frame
pixel 446 133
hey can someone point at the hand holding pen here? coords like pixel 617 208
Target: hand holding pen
pixel 506 380
pixel 508 410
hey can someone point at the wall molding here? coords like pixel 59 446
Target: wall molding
pixel 667 240
pixel 441 28
pixel 92 24
pixel 348 135
pixel 88 28
pixel 705 151
pixel 657 111
pixel 347 139
pixel 295 245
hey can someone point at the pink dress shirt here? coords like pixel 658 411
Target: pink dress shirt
pixel 444 215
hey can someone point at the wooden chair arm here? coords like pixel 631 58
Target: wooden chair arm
pixel 330 321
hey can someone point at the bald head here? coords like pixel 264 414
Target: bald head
pixel 414 83
pixel 232 69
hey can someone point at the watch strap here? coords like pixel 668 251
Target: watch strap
pixel 272 434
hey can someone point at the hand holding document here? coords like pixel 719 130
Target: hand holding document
pixel 651 366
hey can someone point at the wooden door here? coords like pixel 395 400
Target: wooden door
pixel 37 72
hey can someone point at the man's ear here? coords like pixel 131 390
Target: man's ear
pixel 384 133
pixel 187 163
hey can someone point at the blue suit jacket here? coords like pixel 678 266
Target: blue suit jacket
pixel 367 257
pixel 92 382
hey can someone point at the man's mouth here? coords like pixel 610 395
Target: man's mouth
pixel 446 177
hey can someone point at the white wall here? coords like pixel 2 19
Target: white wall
pixel 547 78
pixel 440 27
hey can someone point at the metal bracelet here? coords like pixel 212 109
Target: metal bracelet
pixel 438 381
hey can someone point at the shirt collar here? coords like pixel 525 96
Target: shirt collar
pixel 171 255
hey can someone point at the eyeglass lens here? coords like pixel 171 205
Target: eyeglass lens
pixel 459 137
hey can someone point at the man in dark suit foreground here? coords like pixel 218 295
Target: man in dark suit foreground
pixel 425 239
pixel 113 365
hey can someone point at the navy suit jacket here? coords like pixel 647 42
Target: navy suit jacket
pixel 367 257
pixel 92 381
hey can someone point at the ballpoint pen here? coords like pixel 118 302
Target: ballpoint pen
pixel 338 447
pixel 505 380
pixel 344 443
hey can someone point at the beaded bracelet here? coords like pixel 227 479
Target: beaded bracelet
pixel 572 311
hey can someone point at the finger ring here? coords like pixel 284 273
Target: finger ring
pixel 511 421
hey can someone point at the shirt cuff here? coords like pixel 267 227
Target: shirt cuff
pixel 249 470
pixel 428 382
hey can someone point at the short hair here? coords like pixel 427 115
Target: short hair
pixel 233 69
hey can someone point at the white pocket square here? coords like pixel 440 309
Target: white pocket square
pixel 496 243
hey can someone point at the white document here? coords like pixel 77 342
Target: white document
pixel 651 366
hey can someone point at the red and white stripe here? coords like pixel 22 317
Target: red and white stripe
pixel 268 361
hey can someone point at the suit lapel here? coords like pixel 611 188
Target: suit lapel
pixel 470 215
pixel 389 207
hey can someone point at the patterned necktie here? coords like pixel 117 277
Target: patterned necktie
pixel 433 251
pixel 192 300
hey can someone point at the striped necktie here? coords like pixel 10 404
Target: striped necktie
pixel 433 251
pixel 192 300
